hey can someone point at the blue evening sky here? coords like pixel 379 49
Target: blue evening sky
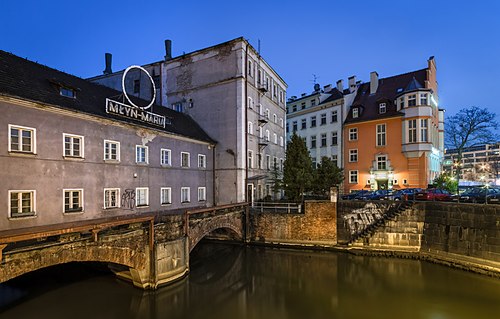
pixel 330 39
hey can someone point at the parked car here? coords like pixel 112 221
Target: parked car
pixel 376 195
pixel 433 194
pixel 403 194
pixel 480 195
pixel 353 195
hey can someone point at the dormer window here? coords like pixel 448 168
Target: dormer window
pixel 382 108
pixel 67 92
pixel 355 112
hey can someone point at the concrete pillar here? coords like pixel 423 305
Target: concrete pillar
pixel 333 194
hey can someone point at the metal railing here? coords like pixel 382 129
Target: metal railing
pixel 276 207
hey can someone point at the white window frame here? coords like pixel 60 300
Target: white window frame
pixel 268 136
pixel 355 113
pixel 71 211
pixel 275 138
pixel 424 97
pixel 381 135
pixel 202 161
pixel 250 159
pixel 164 151
pixel 188 193
pixel 250 103
pixel 382 108
pixel 281 141
pixel 352 174
pixel 202 194
pixel 412 99
pixel 107 156
pixel 21 215
pixel 424 130
pixel 281 122
pixel 118 199
pixel 146 154
pixel 412 131
pixel 381 162
pixel 72 150
pixel 353 152
pixel 250 127
pixel 353 134
pixel 188 160
pixel 275 118
pixel 268 162
pixel 137 197
pixel 20 129
pixel 168 200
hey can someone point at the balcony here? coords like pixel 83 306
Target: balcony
pixel 263 142
pixel 263 119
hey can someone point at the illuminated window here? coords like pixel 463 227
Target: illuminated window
pixel 381 135
pixel 353 177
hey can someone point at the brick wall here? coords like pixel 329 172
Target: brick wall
pixel 317 226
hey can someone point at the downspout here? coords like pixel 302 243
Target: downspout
pixel 245 122
pixel 213 177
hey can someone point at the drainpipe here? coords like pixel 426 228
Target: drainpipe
pixel 245 121
pixel 213 177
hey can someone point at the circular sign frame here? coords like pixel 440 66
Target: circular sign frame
pixel 152 83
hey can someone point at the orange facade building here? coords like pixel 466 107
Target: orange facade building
pixel 393 133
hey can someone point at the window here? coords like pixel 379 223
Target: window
pixel 353 177
pixel 268 162
pixel 111 150
pixel 141 196
pixel 313 102
pixel 141 154
pixel 334 117
pixel 334 138
pixel 250 68
pixel 250 159
pixel 185 159
pixel 335 160
pixel 202 161
pixel 353 155
pixel 294 108
pixel 323 119
pixel 412 100
pixel 165 196
pixel 177 107
pixel 353 134
pixel 275 138
pixel 185 194
pixel 250 103
pixel 424 129
pixel 423 98
pixel 202 194
pixel 287 128
pixel 381 162
pixel 67 92
pixel 250 128
pixel 381 108
pixel 323 140
pixel 355 112
pixel 275 90
pixel 405 182
pixel 381 135
pixel 259 78
pixel 267 114
pixel 313 121
pixel 303 124
pixel 73 145
pixel 22 203
pixel 73 200
pixel 275 118
pixel 22 139
pixel 137 86
pixel 259 160
pixel 268 136
pixel 402 102
pixel 111 198
pixel 394 182
pixel 281 122
pixel 165 157
pixel 412 131
pixel 302 105
pixel 281 141
pixel 282 96
pixel 313 141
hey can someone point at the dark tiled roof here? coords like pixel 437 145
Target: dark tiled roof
pixel 335 95
pixel 388 89
pixel 32 81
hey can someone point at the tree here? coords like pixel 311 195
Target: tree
pixel 327 175
pixel 472 125
pixel 446 181
pixel 298 169
pixel 276 180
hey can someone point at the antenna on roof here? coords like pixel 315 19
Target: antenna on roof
pixel 258 46
pixel 315 79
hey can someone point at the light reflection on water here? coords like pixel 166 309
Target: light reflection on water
pixel 230 281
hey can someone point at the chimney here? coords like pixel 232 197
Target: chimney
pixel 340 85
pixel 327 87
pixel 107 57
pixel 352 83
pixel 373 82
pixel 168 50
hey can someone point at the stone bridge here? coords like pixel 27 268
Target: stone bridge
pixel 148 249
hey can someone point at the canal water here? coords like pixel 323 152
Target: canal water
pixel 232 281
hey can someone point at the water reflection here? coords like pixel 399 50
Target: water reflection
pixel 231 281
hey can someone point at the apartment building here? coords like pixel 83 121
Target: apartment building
pixel 480 164
pixel 75 150
pixel 237 98
pixel 394 132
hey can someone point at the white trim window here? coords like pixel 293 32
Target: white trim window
pixel 355 112
pixel 22 139
pixel 412 131
pixel 268 162
pixel 111 198
pixel 281 122
pixel 268 136
pixel 424 130
pixel 423 99
pixel 353 134
pixel 281 141
pixel 382 108
pixel 353 155
pixel 73 200
pixel 275 138
pixel 250 103
pixel 165 157
pixel 334 117
pixel 275 118
pixel 202 161
pixel 381 135
pixel 185 159
pixel 111 150
pixel 141 154
pixel 412 100
pixel 381 162
pixel 250 159
pixel 353 177
pixel 185 194
pixel 22 203
pixel 165 195
pixel 73 145
pixel 250 127
pixel 141 196
pixel 202 194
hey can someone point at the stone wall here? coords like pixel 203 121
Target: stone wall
pixel 316 227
